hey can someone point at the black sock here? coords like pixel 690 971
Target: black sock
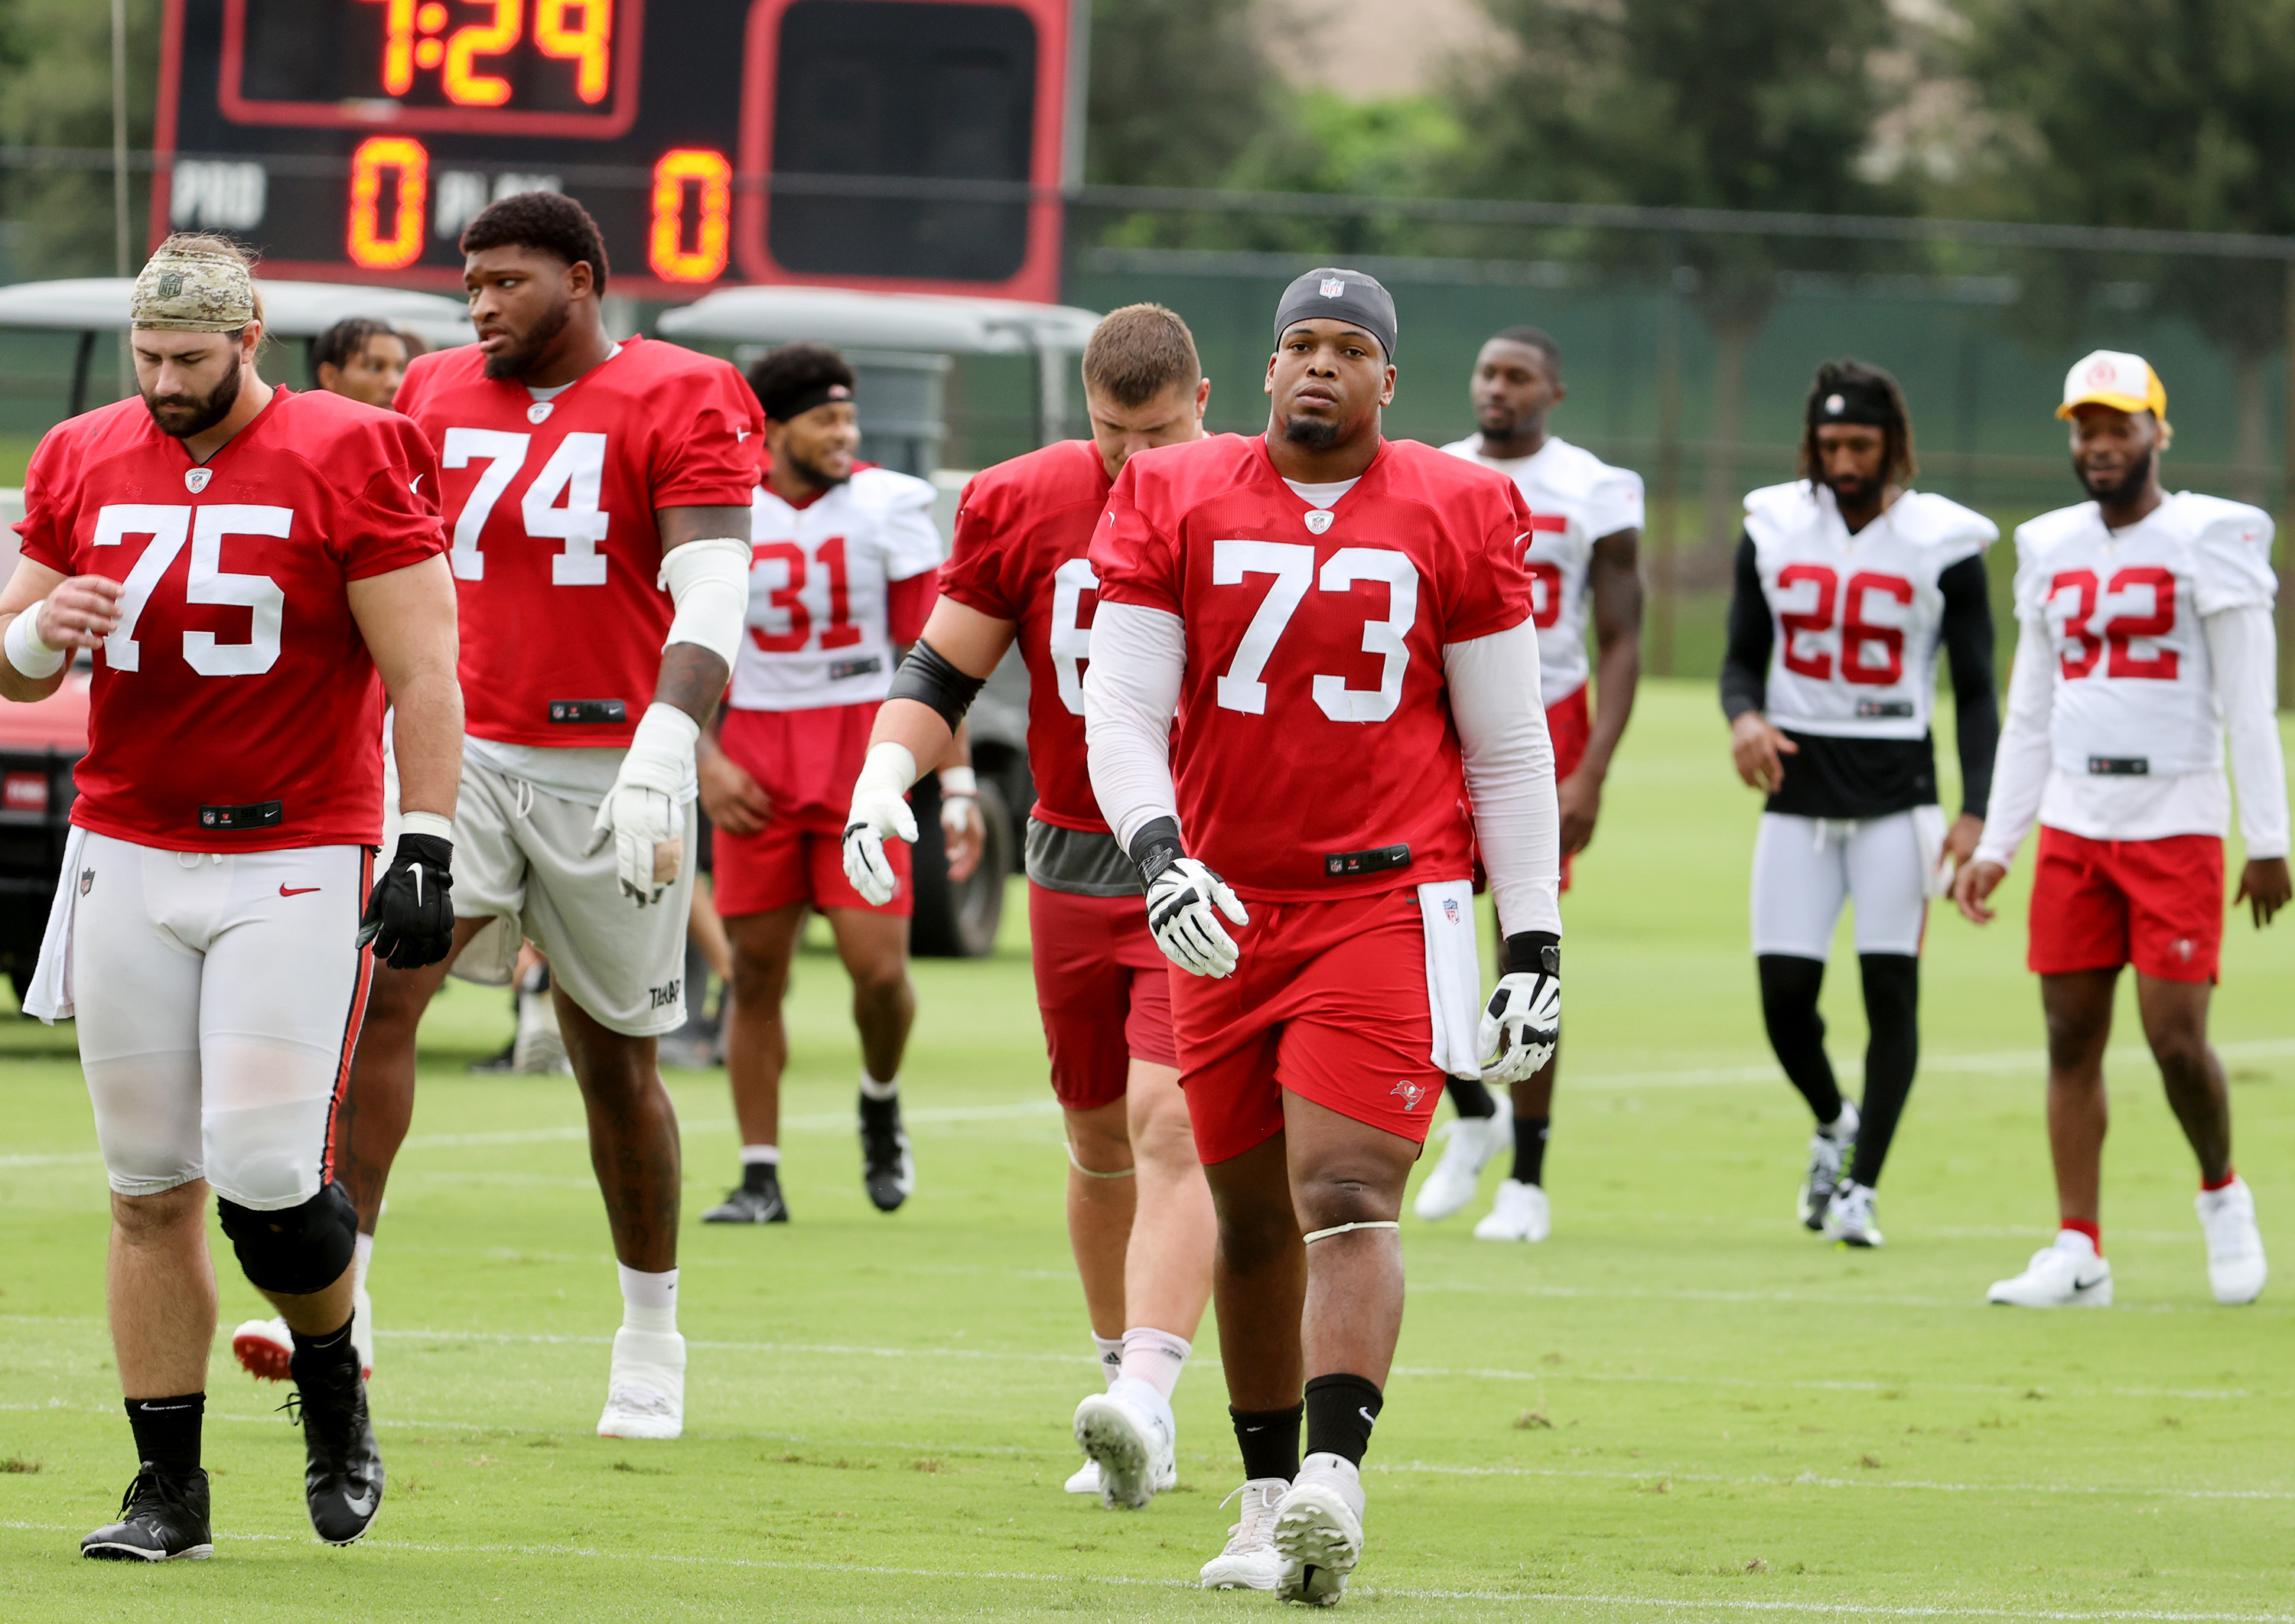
pixel 315 1354
pixel 758 1178
pixel 1339 1410
pixel 1530 1148
pixel 1788 990
pixel 1471 1097
pixel 168 1429
pixel 1268 1440
pixel 1892 1014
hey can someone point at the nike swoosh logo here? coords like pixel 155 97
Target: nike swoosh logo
pixel 360 1505
pixel 740 435
pixel 1368 1419
pixel 415 485
pixel 296 890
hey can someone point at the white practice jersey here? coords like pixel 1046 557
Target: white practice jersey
pixel 818 631
pixel 1575 499
pixel 1858 617
pixel 2135 694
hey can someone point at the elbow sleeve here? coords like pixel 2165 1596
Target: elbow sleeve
pixel 928 677
pixel 708 584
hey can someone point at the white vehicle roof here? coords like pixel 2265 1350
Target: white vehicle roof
pixel 947 323
pixel 290 309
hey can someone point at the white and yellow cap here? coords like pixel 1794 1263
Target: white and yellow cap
pixel 2115 378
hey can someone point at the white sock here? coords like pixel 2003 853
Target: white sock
pixel 870 1088
pixel 768 1154
pixel 1154 1357
pixel 1111 1356
pixel 648 1302
pixel 1841 1127
pixel 362 1255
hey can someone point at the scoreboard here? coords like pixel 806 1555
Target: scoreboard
pixel 912 145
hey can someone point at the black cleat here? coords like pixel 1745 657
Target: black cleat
pixel 887 1171
pixel 342 1471
pixel 748 1206
pixel 163 1515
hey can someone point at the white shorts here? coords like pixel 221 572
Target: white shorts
pixel 518 856
pixel 1805 868
pixel 218 998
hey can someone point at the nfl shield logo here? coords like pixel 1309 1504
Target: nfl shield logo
pixel 539 412
pixel 87 879
pixel 195 479
pixel 1450 909
pixel 1333 287
pixel 1319 519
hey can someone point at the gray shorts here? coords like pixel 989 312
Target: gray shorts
pixel 517 857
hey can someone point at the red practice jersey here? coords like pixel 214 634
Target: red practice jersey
pixel 236 708
pixel 551 505
pixel 1314 731
pixel 1024 533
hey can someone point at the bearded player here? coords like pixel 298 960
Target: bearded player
pixel 1849 583
pixel 2145 638
pixel 255 571
pixel 846 563
pixel 598 495
pixel 1139 1214
pixel 1585 530
pixel 1341 625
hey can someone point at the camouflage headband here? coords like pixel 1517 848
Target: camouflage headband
pixel 193 291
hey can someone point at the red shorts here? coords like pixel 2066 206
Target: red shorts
pixel 1329 1003
pixel 1570 725
pixel 805 762
pixel 2099 904
pixel 1105 990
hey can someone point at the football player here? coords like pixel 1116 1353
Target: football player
pixel 255 571
pixel 1584 519
pixel 598 496
pixel 1341 623
pixel 1847 583
pixel 1139 1214
pixel 846 563
pixel 2144 638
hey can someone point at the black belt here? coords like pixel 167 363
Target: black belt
pixel 258 814
pixel 1378 860
pixel 591 712
pixel 2120 766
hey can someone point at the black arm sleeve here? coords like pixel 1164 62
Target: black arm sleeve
pixel 1967 633
pixel 1746 666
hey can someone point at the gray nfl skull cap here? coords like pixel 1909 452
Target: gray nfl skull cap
pixel 1330 293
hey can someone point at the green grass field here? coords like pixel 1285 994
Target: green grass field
pixel 1683 1406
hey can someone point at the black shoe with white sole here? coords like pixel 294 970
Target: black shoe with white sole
pixel 747 1206
pixel 162 1516
pixel 342 1470
pixel 887 1171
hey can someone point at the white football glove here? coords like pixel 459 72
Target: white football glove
pixel 639 812
pixel 1181 894
pixel 1524 1022
pixel 880 807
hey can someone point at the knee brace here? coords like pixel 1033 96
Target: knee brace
pixel 296 1250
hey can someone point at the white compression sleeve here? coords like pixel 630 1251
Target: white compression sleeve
pixel 2243 651
pixel 708 582
pixel 2022 764
pixel 1509 760
pixel 1131 690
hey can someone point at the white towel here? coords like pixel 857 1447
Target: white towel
pixel 50 999
pixel 1454 976
pixel 1928 833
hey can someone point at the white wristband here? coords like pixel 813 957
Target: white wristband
pixel 426 823
pixel 959 781
pixel 26 653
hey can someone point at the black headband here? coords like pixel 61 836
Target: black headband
pixel 782 405
pixel 1329 294
pixel 1854 401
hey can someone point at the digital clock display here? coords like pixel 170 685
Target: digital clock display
pixel 356 138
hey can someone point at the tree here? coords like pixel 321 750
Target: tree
pixel 55 90
pixel 2169 114
pixel 1179 89
pixel 1750 104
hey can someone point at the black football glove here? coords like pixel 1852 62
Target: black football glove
pixel 410 915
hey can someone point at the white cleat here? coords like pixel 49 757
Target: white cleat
pixel 1249 1561
pixel 645 1395
pixel 1472 1142
pixel 1827 1156
pixel 1128 1432
pixel 539 1049
pixel 1848 1215
pixel 263 1346
pixel 1318 1531
pixel 2064 1275
pixel 1521 1214
pixel 1085 1479
pixel 2236 1268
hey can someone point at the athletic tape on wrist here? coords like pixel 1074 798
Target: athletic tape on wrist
pixel 1089 1173
pixel 26 653
pixel 1313 1235
pixel 426 823
pixel 959 781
